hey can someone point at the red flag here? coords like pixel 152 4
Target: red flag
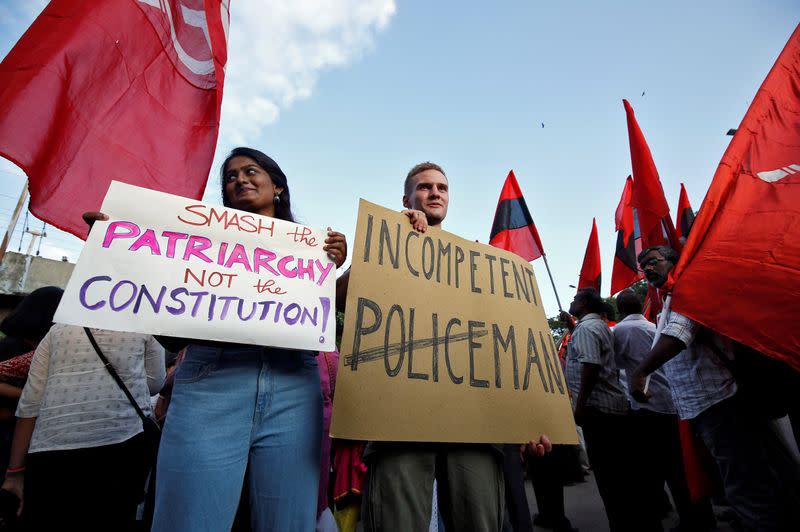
pixel 740 271
pixel 513 228
pixel 625 271
pixel 685 215
pixel 648 198
pixel 102 90
pixel 590 271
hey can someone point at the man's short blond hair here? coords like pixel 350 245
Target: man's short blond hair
pixel 418 169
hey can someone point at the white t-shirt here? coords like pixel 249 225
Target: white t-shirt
pixel 75 401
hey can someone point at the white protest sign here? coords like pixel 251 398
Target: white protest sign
pixel 164 264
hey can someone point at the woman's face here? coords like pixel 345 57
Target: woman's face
pixel 249 187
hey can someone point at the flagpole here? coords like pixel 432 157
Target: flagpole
pixel 13 222
pixel 552 282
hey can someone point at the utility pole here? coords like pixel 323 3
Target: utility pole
pixel 13 222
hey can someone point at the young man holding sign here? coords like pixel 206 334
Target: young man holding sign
pixel 401 474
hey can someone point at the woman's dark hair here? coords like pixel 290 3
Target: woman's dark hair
pixel 283 210
pixel 33 317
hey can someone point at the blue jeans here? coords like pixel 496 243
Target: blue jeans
pixel 235 408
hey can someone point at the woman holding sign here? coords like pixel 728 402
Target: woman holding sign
pixel 238 408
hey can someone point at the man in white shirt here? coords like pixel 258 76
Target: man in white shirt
pixel 655 423
pixel 744 446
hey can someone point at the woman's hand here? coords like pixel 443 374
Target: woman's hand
pixel 92 216
pixel 336 247
pixel 417 218
pixel 15 483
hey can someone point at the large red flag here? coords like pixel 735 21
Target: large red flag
pixel 590 271
pixel 684 215
pixel 625 270
pixel 513 228
pixel 102 90
pixel 739 273
pixel 648 198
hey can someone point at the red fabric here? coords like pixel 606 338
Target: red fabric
pixel 14 371
pixel 740 271
pixel 698 479
pixel 513 228
pixel 648 198
pixel 97 91
pixel 684 215
pixel 350 470
pixel 625 270
pixel 590 271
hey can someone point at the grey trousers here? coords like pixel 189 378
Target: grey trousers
pixel 761 480
pixel 400 487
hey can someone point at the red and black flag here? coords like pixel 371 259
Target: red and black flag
pixel 513 228
pixel 648 198
pixel 590 271
pixel 625 271
pixel 685 215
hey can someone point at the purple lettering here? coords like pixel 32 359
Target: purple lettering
pixel 226 305
pixel 292 307
pixel 85 288
pixel 112 296
pixel 177 311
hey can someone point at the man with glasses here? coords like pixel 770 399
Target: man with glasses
pixel 696 363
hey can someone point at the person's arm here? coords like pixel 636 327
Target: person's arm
pixel 667 348
pixel 567 319
pixel 15 474
pixel 154 365
pixel 342 283
pixel 9 390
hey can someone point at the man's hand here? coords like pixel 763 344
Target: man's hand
pixel 336 247
pixel 567 319
pixel 92 216
pixel 417 218
pixel 638 381
pixel 538 447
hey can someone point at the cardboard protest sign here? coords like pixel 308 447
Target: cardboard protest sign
pixel 164 264
pixel 445 340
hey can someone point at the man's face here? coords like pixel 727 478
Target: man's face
pixel 429 195
pixel 656 268
pixel 577 306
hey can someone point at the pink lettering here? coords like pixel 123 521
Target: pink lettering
pixel 132 231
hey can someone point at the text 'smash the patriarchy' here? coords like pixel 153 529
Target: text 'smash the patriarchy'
pixel 445 340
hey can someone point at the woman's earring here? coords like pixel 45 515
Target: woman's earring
pixel 277 199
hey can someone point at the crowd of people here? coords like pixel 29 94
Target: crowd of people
pixel 245 443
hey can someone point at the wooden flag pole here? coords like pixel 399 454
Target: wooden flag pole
pixel 13 222
pixel 552 282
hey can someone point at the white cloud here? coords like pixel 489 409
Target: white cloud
pixel 278 48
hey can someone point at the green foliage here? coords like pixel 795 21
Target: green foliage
pixel 557 328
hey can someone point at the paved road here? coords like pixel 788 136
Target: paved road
pixel 585 509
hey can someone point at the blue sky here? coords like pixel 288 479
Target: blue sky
pixel 347 97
